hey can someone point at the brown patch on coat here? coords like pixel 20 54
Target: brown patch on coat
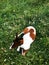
pixel 21 41
pixel 32 35
pixel 25 30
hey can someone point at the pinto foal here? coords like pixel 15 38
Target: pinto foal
pixel 24 40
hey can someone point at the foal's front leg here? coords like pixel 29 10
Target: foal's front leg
pixel 18 49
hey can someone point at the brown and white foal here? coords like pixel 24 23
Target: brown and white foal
pixel 24 40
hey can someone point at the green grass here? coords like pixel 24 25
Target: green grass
pixel 15 15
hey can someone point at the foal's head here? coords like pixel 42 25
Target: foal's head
pixel 16 42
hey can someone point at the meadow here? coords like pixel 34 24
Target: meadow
pixel 15 15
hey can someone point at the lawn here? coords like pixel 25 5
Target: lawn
pixel 15 15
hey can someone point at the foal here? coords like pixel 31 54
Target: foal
pixel 24 40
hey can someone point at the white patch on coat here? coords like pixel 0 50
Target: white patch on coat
pixel 27 41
